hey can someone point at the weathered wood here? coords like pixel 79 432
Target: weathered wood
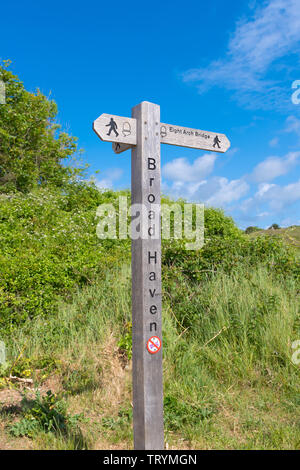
pixel 144 133
pixel 119 147
pixel 146 283
pixel 122 132
pixel 193 138
pixel 112 128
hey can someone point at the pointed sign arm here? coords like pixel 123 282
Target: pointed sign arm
pixel 111 128
pixel 122 132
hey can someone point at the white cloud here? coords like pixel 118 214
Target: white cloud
pixel 288 221
pixel 114 173
pixel 228 192
pixel 274 142
pixel 111 175
pixel 273 167
pixel 271 203
pixel 279 197
pixel 181 170
pixel 268 202
pixel 292 125
pixel 217 191
pixel 189 181
pixel 104 184
pixel 232 151
pixel 257 43
pixel 263 214
pixel 263 189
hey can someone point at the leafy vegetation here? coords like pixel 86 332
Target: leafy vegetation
pixel 48 414
pixel 231 311
pixel 252 229
pixel 48 247
pixel 32 145
pixel 290 235
pixel 229 379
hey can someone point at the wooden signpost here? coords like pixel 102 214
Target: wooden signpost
pixel 116 129
pixel 144 133
pixel 193 138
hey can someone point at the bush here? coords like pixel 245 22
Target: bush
pixel 231 253
pixel 47 414
pixel 32 147
pixel 252 229
pixel 49 247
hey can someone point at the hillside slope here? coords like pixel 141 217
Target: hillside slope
pixel 290 235
pixel 231 314
pixel 229 382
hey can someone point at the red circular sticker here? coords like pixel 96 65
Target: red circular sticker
pixel 153 344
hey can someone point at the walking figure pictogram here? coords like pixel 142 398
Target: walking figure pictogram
pixel 217 142
pixel 113 127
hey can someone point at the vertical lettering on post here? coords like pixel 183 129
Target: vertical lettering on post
pixel 146 283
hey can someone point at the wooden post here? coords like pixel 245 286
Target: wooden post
pixel 144 133
pixel 146 283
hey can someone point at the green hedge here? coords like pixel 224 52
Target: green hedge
pixel 49 246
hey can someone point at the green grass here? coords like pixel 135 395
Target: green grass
pixel 234 361
pixel 230 314
pixel 228 377
pixel 291 235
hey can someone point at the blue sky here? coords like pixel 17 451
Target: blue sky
pixel 224 66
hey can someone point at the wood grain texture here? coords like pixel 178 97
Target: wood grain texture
pixel 193 138
pixel 146 284
pixel 111 128
pixel 122 132
pixel 119 147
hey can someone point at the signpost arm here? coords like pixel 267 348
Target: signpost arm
pixel 146 282
pixel 144 133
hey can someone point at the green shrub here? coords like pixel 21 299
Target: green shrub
pixel 49 246
pixel 46 413
pixel 252 229
pixel 230 254
pixel 25 367
pixel 32 146
pixel 123 420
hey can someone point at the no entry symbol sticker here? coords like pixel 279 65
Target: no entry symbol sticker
pixel 153 344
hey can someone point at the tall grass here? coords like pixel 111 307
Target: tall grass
pixel 94 312
pixel 229 381
pixel 229 342
pixel 244 321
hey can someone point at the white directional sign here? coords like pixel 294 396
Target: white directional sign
pixel 119 129
pixel 122 132
pixel 193 138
